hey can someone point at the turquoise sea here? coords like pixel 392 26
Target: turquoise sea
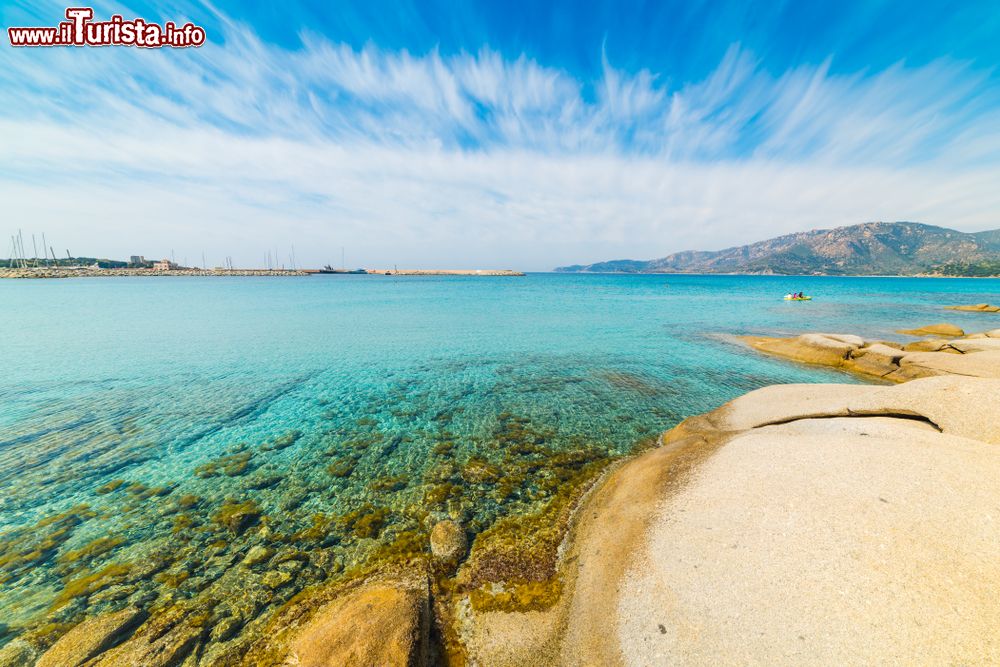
pixel 152 430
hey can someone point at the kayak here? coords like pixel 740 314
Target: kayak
pixel 798 298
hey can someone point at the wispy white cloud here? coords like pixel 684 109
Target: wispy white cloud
pixel 475 158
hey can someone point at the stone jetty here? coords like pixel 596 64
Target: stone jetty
pixel 446 272
pixel 123 273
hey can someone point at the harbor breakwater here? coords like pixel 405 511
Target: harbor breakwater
pixel 446 272
pixel 39 273
pixel 90 272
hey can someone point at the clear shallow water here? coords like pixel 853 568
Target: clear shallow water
pixel 175 423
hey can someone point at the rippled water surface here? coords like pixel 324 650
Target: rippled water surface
pixel 153 430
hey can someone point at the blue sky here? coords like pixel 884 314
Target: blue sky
pixel 513 134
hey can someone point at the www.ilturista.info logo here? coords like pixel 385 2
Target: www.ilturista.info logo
pixel 80 30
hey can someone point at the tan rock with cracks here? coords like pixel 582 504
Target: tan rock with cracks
pixel 825 541
pixel 376 624
pixel 977 355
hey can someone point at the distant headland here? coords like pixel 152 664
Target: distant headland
pixel 868 249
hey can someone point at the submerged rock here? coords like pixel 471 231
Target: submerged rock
pixel 478 471
pixel 448 541
pixel 111 594
pixel 91 638
pixel 943 330
pixel 286 440
pixel 225 629
pixel 236 516
pixel 257 554
pixel 17 653
pixel 976 308
pixel 276 579
pixel 170 649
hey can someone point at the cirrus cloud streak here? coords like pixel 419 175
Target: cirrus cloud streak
pixel 474 159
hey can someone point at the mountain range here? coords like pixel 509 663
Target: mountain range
pixel 871 248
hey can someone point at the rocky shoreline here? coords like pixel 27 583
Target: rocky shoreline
pixel 797 524
pixel 944 350
pixel 834 524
